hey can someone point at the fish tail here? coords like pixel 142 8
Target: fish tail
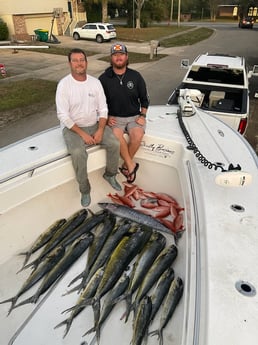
pixel 32 299
pixel 159 333
pixel 98 334
pixel 67 323
pixel 76 278
pixel 92 329
pixel 129 308
pixel 34 264
pixel 13 301
pixel 76 288
pixel 8 300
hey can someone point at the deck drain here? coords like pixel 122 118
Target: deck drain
pixel 33 148
pixel 237 208
pixel 221 133
pixel 245 288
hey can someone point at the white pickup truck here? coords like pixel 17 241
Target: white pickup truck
pixel 223 82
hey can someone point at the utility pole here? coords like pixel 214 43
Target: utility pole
pixel 171 11
pixel 179 13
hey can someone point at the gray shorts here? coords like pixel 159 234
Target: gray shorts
pixel 126 123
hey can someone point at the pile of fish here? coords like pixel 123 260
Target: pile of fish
pixel 160 206
pixel 114 240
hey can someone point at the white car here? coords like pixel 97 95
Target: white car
pixel 223 82
pixel 95 31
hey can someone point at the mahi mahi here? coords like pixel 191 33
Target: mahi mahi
pixel 172 299
pixel 142 264
pixel 43 268
pixel 118 262
pixel 88 292
pixel 72 223
pixel 141 321
pixel 72 254
pixel 43 239
pixel 163 262
pixel 108 305
pixel 101 233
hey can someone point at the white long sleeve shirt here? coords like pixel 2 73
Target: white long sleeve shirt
pixel 80 102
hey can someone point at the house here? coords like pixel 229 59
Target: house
pixel 56 16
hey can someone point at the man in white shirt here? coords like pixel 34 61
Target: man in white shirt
pixel 82 111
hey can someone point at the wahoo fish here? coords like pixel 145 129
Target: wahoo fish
pixel 163 262
pixel 87 293
pixel 72 254
pixel 43 239
pixel 173 297
pixel 142 264
pixel 141 322
pixel 72 222
pixel 135 216
pixel 43 268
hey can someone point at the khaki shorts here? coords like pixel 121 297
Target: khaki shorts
pixel 127 123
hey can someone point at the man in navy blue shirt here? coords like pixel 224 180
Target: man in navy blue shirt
pixel 127 101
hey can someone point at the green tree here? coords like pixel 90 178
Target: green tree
pixel 93 5
pixel 4 32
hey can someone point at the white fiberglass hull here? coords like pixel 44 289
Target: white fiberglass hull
pixel 215 254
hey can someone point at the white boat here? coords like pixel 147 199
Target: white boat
pixel 208 168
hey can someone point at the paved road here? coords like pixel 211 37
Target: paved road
pixel 161 76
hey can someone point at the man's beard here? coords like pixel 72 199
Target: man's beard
pixel 119 66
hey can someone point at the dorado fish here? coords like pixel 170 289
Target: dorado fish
pixel 43 268
pixel 101 233
pixel 43 239
pixel 88 225
pixel 173 297
pixel 108 305
pixel 141 321
pixel 161 290
pixel 87 293
pixel 72 254
pixel 142 264
pixel 163 261
pixel 121 257
pixel 112 241
pixel 135 216
pixel 72 222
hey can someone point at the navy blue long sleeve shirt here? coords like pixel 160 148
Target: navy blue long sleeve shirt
pixel 125 94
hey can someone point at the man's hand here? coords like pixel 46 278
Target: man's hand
pixel 88 139
pixel 111 121
pixel 98 135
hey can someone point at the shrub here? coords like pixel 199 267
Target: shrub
pixel 4 32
